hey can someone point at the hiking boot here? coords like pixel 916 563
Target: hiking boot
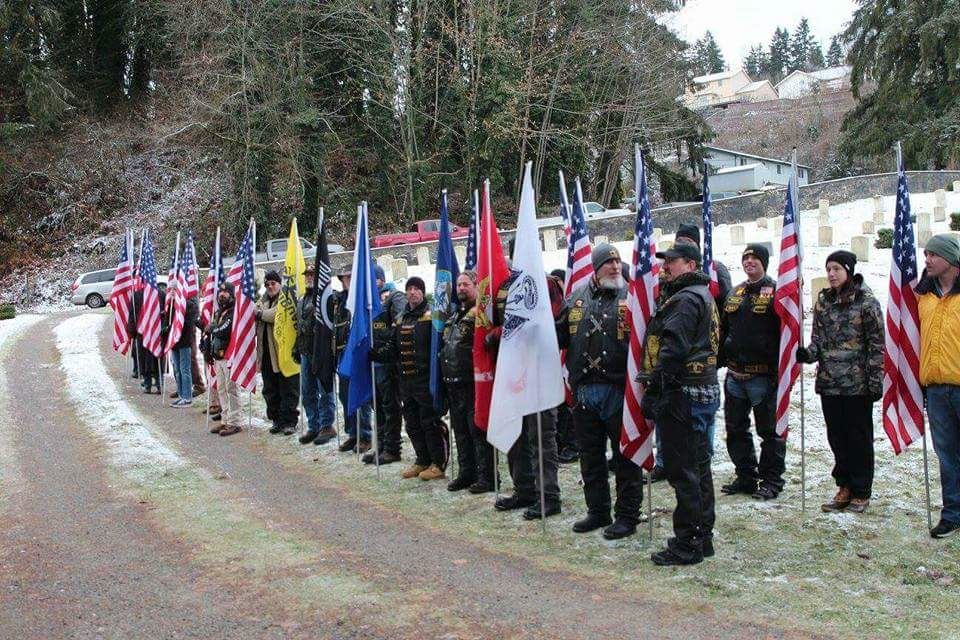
pixel 364 446
pixel 592 522
pixel 325 435
pixel 290 429
pixel 858 505
pixel 389 457
pixel 944 528
pixel 213 410
pixel 657 474
pixel 840 501
pixel 459 483
pixel 308 437
pixel 199 390
pixel 433 472
pixel 216 417
pixel 347 445
pixel 739 485
pixel 509 503
pixel 619 529
pixel 230 429
pixel 480 486
pixel 668 558
pixel 275 429
pixel 533 513
pixel 369 457
pixel 708 551
pixel 217 428
pixel 766 492
pixel 412 471
pixel 568 455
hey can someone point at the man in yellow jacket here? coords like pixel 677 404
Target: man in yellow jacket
pixel 939 304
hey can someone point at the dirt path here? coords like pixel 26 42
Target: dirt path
pixel 82 557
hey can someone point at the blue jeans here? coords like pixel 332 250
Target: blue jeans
pixel 183 372
pixel 704 419
pixel 943 409
pixel 363 414
pixel 319 406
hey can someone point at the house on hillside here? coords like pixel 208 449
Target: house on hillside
pixel 804 83
pixel 738 172
pixel 716 88
pixel 757 92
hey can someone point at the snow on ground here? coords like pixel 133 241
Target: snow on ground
pixel 10 329
pixel 100 404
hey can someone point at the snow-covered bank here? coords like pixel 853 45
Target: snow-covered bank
pixel 101 405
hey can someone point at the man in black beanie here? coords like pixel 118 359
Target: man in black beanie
pixel 690 233
pixel 749 348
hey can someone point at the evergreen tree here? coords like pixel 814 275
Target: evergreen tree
pixel 778 60
pixel 908 51
pixel 801 47
pixel 835 52
pixel 816 57
pixel 707 56
pixel 757 62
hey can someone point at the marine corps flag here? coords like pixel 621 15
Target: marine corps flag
pixel 491 272
pixel 294 285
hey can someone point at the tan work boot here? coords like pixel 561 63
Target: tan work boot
pixel 858 505
pixel 216 428
pixel 412 471
pixel 433 472
pixel 840 501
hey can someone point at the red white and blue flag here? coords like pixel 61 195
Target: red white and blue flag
pixel 902 397
pixel 470 259
pixel 708 266
pixel 122 294
pixel 176 299
pixel 208 301
pixel 636 437
pixel 191 271
pixel 579 264
pixel 148 324
pixel 242 350
pixel 787 303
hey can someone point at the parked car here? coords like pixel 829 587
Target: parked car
pixel 93 288
pixel 422 231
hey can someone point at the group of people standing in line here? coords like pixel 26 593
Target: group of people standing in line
pixel 691 336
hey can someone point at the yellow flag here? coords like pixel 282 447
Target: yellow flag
pixel 294 285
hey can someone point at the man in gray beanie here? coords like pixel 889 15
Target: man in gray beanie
pixel 938 297
pixel 595 331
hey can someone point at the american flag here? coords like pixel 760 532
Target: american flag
pixel 787 305
pixel 148 324
pixel 636 437
pixel 171 277
pixel 470 260
pixel 708 266
pixel 579 264
pixel 211 284
pixel 902 398
pixel 176 298
pixel 137 284
pixel 190 269
pixel 121 295
pixel 242 350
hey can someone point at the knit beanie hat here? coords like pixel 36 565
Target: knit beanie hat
pixel 946 246
pixel 846 259
pixel 602 254
pixel 417 282
pixel 272 276
pixel 691 231
pixel 759 252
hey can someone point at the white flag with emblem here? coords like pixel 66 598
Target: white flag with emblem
pixel 529 378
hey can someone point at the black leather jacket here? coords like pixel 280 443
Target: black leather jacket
pixel 456 355
pixel 595 332
pixel 221 326
pixel 750 329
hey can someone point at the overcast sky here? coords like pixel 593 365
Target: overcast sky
pixel 739 24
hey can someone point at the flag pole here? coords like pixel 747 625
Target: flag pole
pixel 166 362
pixel 543 500
pixel 795 197
pixel 213 310
pixel 496 452
pixel 375 444
pixel 253 249
pixel 649 503
pixel 128 240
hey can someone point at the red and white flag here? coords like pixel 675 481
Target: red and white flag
pixel 242 349
pixel 121 295
pixel 176 300
pixel 191 271
pixel 787 303
pixel 579 264
pixel 636 437
pixel 902 397
pixel 148 324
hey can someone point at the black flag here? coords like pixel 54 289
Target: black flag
pixel 323 362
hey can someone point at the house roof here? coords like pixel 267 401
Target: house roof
pixel 709 148
pixel 713 77
pixel 755 86
pixel 831 73
pixel 743 167
pixel 796 73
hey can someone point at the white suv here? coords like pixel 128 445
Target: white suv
pixel 93 288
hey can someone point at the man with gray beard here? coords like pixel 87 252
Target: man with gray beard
pixel 596 334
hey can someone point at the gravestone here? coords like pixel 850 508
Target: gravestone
pixel 940 198
pixel 461 252
pixel 664 245
pixel 860 245
pixel 939 214
pixel 600 240
pixel 869 227
pixel 825 236
pixel 385 261
pixel 878 209
pixel 761 223
pixel 923 237
pixel 399 269
pixel 956 186
pixel 549 239
pixel 423 256
pixel 737 234
pixel 817 285
pixel 924 220
pixel 777 226
pixel 824 218
pixel 657 233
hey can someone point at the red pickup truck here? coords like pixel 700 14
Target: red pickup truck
pixel 423 231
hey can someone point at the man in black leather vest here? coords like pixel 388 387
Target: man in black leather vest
pixel 679 372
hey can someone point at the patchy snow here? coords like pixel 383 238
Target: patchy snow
pixel 10 329
pixel 100 404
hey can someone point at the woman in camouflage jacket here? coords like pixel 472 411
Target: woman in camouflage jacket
pixel 847 346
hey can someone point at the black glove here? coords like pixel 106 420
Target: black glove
pixel 803 355
pixel 876 394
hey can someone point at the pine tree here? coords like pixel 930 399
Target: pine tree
pixel 707 55
pixel 801 47
pixel 757 63
pixel 816 57
pixel 835 52
pixel 778 61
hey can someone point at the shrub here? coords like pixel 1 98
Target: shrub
pixel 884 239
pixel 955 221
pixel 7 311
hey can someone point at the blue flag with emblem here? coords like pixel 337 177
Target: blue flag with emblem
pixel 364 306
pixel 444 302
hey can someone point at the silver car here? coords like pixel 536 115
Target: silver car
pixel 93 288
